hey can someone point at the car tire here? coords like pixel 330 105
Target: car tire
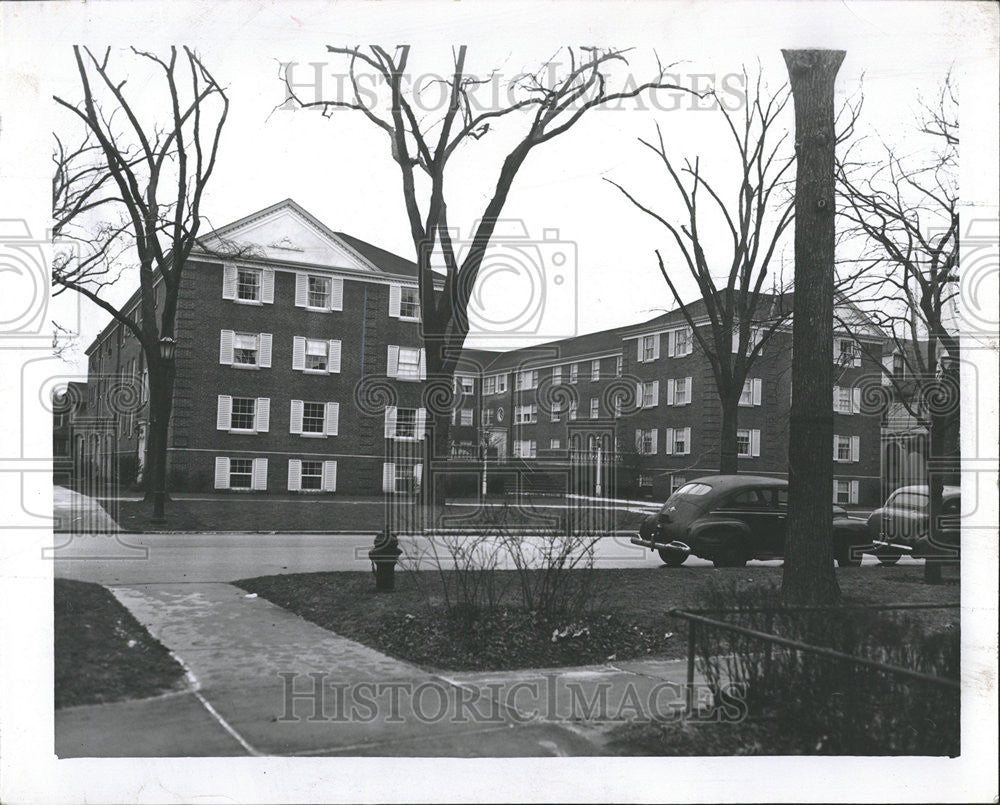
pixel 730 555
pixel 672 558
pixel 887 557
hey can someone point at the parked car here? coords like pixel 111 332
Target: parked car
pixel 733 518
pixel 901 526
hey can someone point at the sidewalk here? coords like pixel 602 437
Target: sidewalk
pixel 266 682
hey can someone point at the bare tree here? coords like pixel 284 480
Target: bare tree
pixel 545 104
pixel 131 188
pixel 754 207
pixel 904 212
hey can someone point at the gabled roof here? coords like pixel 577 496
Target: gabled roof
pixel 387 261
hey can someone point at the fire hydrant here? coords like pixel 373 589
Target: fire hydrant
pixel 383 557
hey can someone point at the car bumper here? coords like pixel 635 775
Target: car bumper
pixel 676 546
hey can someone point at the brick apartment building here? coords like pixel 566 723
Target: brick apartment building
pixel 298 369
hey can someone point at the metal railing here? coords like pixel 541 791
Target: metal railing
pixel 697 617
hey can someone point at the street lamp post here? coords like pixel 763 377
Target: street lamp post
pixel 168 347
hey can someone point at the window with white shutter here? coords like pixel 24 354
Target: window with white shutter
pixel 392 360
pixel 294 474
pixel 229 282
pixel 296 416
pixel 390 422
pixel 263 415
pixel 389 477
pixel 267 289
pixel 221 472
pixel 226 347
pixel 264 350
pixel 260 474
pixel 329 476
pixel 332 418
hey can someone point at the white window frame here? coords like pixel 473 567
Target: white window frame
pixel 850 489
pixel 526 380
pixel 573 410
pixel 396 302
pixel 595 370
pixel 646 441
pixel 673 395
pixel 394 353
pixel 648 389
pixel 751 394
pixel 752 436
pixel 574 373
pixel 839 354
pixel 852 445
pixel 555 444
pixel 673 436
pixel 224 473
pixel 526 414
pixel 673 350
pixel 556 375
pixel 595 408
pixel 649 348
pixel 261 414
pixel 466 418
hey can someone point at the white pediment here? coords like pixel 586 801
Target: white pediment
pixel 286 233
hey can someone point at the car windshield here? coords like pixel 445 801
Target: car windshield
pixel 908 500
pixel 692 489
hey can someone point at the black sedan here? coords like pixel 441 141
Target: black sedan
pixel 730 519
pixel 901 527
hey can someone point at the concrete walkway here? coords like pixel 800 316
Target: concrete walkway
pixel 271 683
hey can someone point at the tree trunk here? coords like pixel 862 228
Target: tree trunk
pixel 808 576
pixel 728 461
pixel 161 387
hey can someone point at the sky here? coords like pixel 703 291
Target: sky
pixel 340 169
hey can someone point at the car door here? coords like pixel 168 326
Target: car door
pixel 753 508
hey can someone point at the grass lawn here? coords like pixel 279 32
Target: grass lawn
pixel 627 618
pixel 246 513
pixel 102 654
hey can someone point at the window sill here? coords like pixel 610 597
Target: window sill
pixel 312 435
pixel 243 431
pixel 253 366
pixel 413 319
pixel 248 301
pixel 317 372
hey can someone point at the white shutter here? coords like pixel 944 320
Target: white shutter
pixel 855 448
pixel 336 294
pixel 638 395
pixel 228 292
pixel 856 400
pixel 854 492
pixel 390 421
pixel 262 418
pixel 301 289
pixel 333 357
pixel 295 418
pixel 298 352
pixel 656 392
pixel 887 365
pixel 757 386
pixel 656 346
pixel 671 342
pixel 834 490
pixel 418 474
pixel 836 439
pixel 392 360
pixel 668 441
pixel 423 364
pixel 690 340
pixel 224 415
pixel 221 472
pixel 259 474
pixel 638 440
pixel 226 347
pixel 388 477
pixel 638 343
pixel 656 434
pixel 332 418
pixel 857 356
pixel 421 423
pixel 671 386
pixel 329 476
pixel 264 350
pixel 395 295
pixel 836 399
pixel 267 287
pixel 556 375
pixel 294 474
pixel 755 442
